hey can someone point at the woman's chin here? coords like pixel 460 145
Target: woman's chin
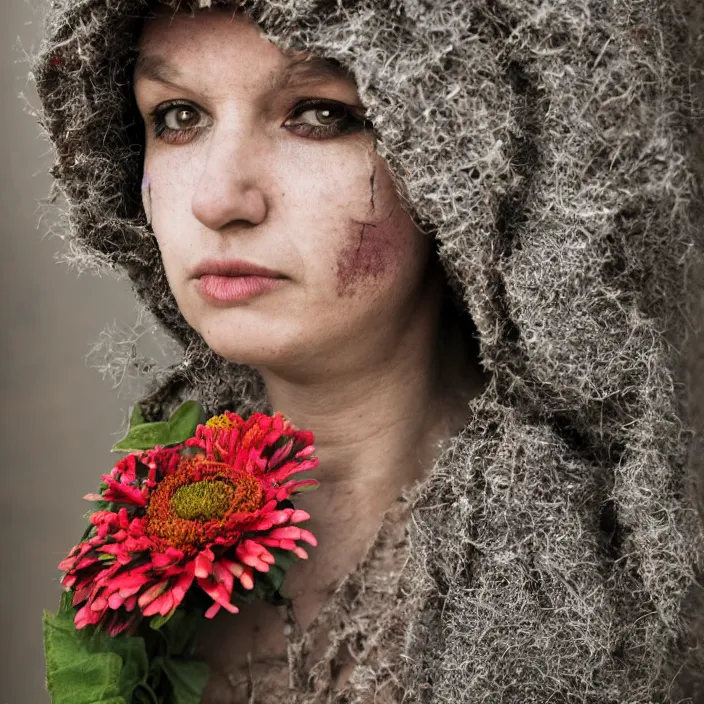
pixel 277 342
pixel 264 353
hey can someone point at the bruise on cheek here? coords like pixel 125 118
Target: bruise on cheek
pixel 368 257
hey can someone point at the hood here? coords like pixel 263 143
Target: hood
pixel 545 146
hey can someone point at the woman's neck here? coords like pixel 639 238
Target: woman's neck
pixel 360 424
pixel 377 424
pixel 377 427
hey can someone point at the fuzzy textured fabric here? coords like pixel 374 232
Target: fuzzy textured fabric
pixel 555 548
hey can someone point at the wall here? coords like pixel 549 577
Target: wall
pixel 58 416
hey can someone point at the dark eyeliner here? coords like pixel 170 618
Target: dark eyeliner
pixel 352 121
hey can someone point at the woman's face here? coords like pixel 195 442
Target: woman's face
pixel 279 227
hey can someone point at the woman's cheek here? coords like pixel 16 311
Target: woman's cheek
pixel 157 202
pixel 374 252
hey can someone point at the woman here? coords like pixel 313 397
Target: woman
pixel 319 201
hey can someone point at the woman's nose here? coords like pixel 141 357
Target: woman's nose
pixel 231 188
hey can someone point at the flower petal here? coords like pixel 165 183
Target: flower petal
pixel 152 593
pixel 203 566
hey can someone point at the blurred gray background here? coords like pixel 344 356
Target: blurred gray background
pixel 59 417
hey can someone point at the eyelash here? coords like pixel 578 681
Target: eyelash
pixel 352 121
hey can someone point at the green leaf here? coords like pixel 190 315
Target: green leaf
pixel 180 631
pixel 87 666
pixel 274 576
pixel 188 679
pixel 135 662
pixel 184 421
pixel 144 695
pixel 248 596
pixel 137 417
pixel 283 558
pixel 144 437
pixel 306 488
pixel 156 622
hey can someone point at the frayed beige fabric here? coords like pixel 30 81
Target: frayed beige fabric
pixel 352 650
pixel 555 549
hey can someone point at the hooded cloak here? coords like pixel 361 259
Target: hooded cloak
pixel 554 550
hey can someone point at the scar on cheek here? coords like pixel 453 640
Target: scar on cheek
pixel 147 196
pixel 369 257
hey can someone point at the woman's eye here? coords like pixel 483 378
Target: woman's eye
pixel 180 118
pixel 176 122
pixel 320 119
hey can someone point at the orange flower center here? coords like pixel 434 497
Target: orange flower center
pixel 190 507
pixel 202 501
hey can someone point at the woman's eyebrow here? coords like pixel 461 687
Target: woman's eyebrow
pixel 310 69
pixel 156 68
pixel 305 70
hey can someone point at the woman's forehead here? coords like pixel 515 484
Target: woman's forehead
pixel 173 44
pixel 203 37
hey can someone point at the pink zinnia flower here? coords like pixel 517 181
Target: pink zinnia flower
pixel 202 514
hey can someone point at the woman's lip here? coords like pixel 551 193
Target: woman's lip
pixel 226 289
pixel 232 268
